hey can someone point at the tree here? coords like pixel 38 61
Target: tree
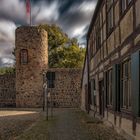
pixel 7 70
pixel 56 37
pixel 64 52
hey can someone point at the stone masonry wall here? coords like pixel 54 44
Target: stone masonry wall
pixel 67 90
pixel 7 90
pixel 29 76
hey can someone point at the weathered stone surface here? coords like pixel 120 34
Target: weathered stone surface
pixel 67 87
pixel 7 90
pixel 29 79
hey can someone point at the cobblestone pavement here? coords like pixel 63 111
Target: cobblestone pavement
pixel 14 122
pixel 70 124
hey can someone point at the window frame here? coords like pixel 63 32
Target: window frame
pixel 50 79
pixel 109 87
pixel 128 4
pixel 93 90
pixel 98 33
pixel 91 46
pixel 109 20
pixel 23 56
pixel 126 85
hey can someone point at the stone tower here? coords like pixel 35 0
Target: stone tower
pixel 31 61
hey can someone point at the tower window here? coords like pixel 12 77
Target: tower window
pixel 24 56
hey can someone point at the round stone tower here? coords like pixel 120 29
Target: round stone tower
pixel 31 61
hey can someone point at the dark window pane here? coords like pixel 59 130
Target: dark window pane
pixel 129 1
pixel 50 79
pixel 110 20
pixel 24 56
pixel 126 84
pixel 109 4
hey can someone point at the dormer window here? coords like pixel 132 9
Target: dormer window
pixel 24 56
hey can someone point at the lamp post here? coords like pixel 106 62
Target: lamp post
pixel 45 104
pixel 47 95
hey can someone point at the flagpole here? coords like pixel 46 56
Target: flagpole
pixel 30 12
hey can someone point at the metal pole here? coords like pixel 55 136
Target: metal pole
pixel 46 102
pixel 43 99
pixel 51 107
pixel 30 12
pixel 47 108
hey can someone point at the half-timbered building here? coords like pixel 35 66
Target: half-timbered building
pixel 113 43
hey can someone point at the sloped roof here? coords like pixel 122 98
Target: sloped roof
pixel 94 17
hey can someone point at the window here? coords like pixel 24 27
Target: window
pixel 126 85
pixel 50 79
pixel 91 47
pixel 124 4
pixel 109 88
pixel 24 56
pixel 93 92
pixel 98 34
pixel 110 16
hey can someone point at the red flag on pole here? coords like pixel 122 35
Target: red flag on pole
pixel 28 11
pixel 28 6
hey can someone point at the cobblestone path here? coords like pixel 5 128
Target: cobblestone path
pixel 13 122
pixel 70 124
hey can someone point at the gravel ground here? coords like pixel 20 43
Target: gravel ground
pixel 13 123
pixel 70 124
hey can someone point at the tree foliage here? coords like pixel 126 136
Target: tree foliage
pixel 67 57
pixel 64 52
pixel 7 70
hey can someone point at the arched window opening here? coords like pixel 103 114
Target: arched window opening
pixel 24 56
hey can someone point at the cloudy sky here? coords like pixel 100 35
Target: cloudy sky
pixel 73 16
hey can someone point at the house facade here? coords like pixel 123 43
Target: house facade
pixel 113 42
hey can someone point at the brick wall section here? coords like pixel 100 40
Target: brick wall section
pixel 66 92
pixel 29 77
pixel 7 90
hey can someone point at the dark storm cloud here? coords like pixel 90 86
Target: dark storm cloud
pixel 73 16
pixel 75 21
